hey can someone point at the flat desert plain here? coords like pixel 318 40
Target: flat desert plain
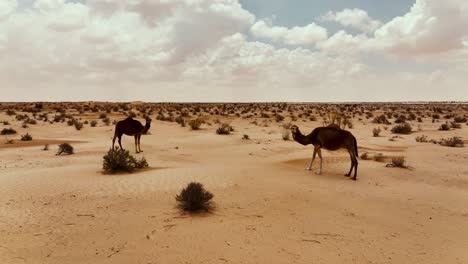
pixel 268 208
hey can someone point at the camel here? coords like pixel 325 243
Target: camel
pixel 330 138
pixel 131 127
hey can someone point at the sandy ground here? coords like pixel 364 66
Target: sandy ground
pixel 269 209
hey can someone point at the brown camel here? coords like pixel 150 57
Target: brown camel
pixel 330 138
pixel 131 127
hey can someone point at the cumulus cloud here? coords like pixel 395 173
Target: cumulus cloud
pixel 355 18
pixel 198 50
pixel 431 26
pixel 306 35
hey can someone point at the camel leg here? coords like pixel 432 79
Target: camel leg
pixel 319 152
pixel 113 141
pixel 351 156
pixel 120 141
pixel 355 167
pixel 312 160
pixel 136 144
pixel 139 146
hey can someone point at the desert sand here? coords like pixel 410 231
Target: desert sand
pixel 268 208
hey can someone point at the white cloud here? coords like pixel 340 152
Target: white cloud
pixel 7 7
pixel 306 35
pixel 355 18
pixel 431 26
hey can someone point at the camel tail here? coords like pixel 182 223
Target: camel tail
pixel 355 147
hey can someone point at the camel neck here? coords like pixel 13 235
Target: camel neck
pixel 301 139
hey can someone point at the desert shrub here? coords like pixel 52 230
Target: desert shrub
pixel 6 123
pixel 26 137
pixel 106 121
pixel 381 119
pixel 245 137
pixel 78 125
pixel 120 160
pixel 195 123
pixel 65 148
pixel 404 128
pixel 399 162
pixel 46 147
pixel 459 119
pixel 279 118
pixel 379 157
pixel 194 198
pixel 224 129
pixel 365 156
pixel 102 115
pixel 400 119
pixel 455 125
pixel 421 139
pixel 93 123
pixel 452 142
pixel 444 127
pixel 376 131
pixel 8 131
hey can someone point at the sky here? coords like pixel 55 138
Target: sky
pixel 234 50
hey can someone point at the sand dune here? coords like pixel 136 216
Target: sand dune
pixel 269 209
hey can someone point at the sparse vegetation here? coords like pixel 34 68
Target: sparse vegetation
pixel 376 131
pixel 65 148
pixel 194 198
pixel 398 162
pixel 455 142
pixel 403 128
pixel 8 131
pixel 26 137
pixel 120 160
pixel 195 124
pixel 224 129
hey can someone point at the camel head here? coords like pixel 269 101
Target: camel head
pixel 294 130
pixel 147 126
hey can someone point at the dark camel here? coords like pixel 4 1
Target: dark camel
pixel 330 138
pixel 131 127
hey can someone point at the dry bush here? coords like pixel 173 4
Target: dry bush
pixel 195 124
pixel 376 131
pixel 398 162
pixel 224 129
pixel 194 198
pixel 404 128
pixel 8 131
pixel 459 119
pixel 120 160
pixel 65 148
pixel 421 139
pixel 455 142
pixel 93 123
pixel 381 119
pixel 26 137
pixel 444 127
pixel 245 137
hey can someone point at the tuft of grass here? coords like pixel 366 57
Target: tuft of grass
pixel 46 147
pixel 421 139
pixel 403 128
pixel 194 198
pixel 245 137
pixel 65 148
pixel 26 137
pixel 93 123
pixel 120 160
